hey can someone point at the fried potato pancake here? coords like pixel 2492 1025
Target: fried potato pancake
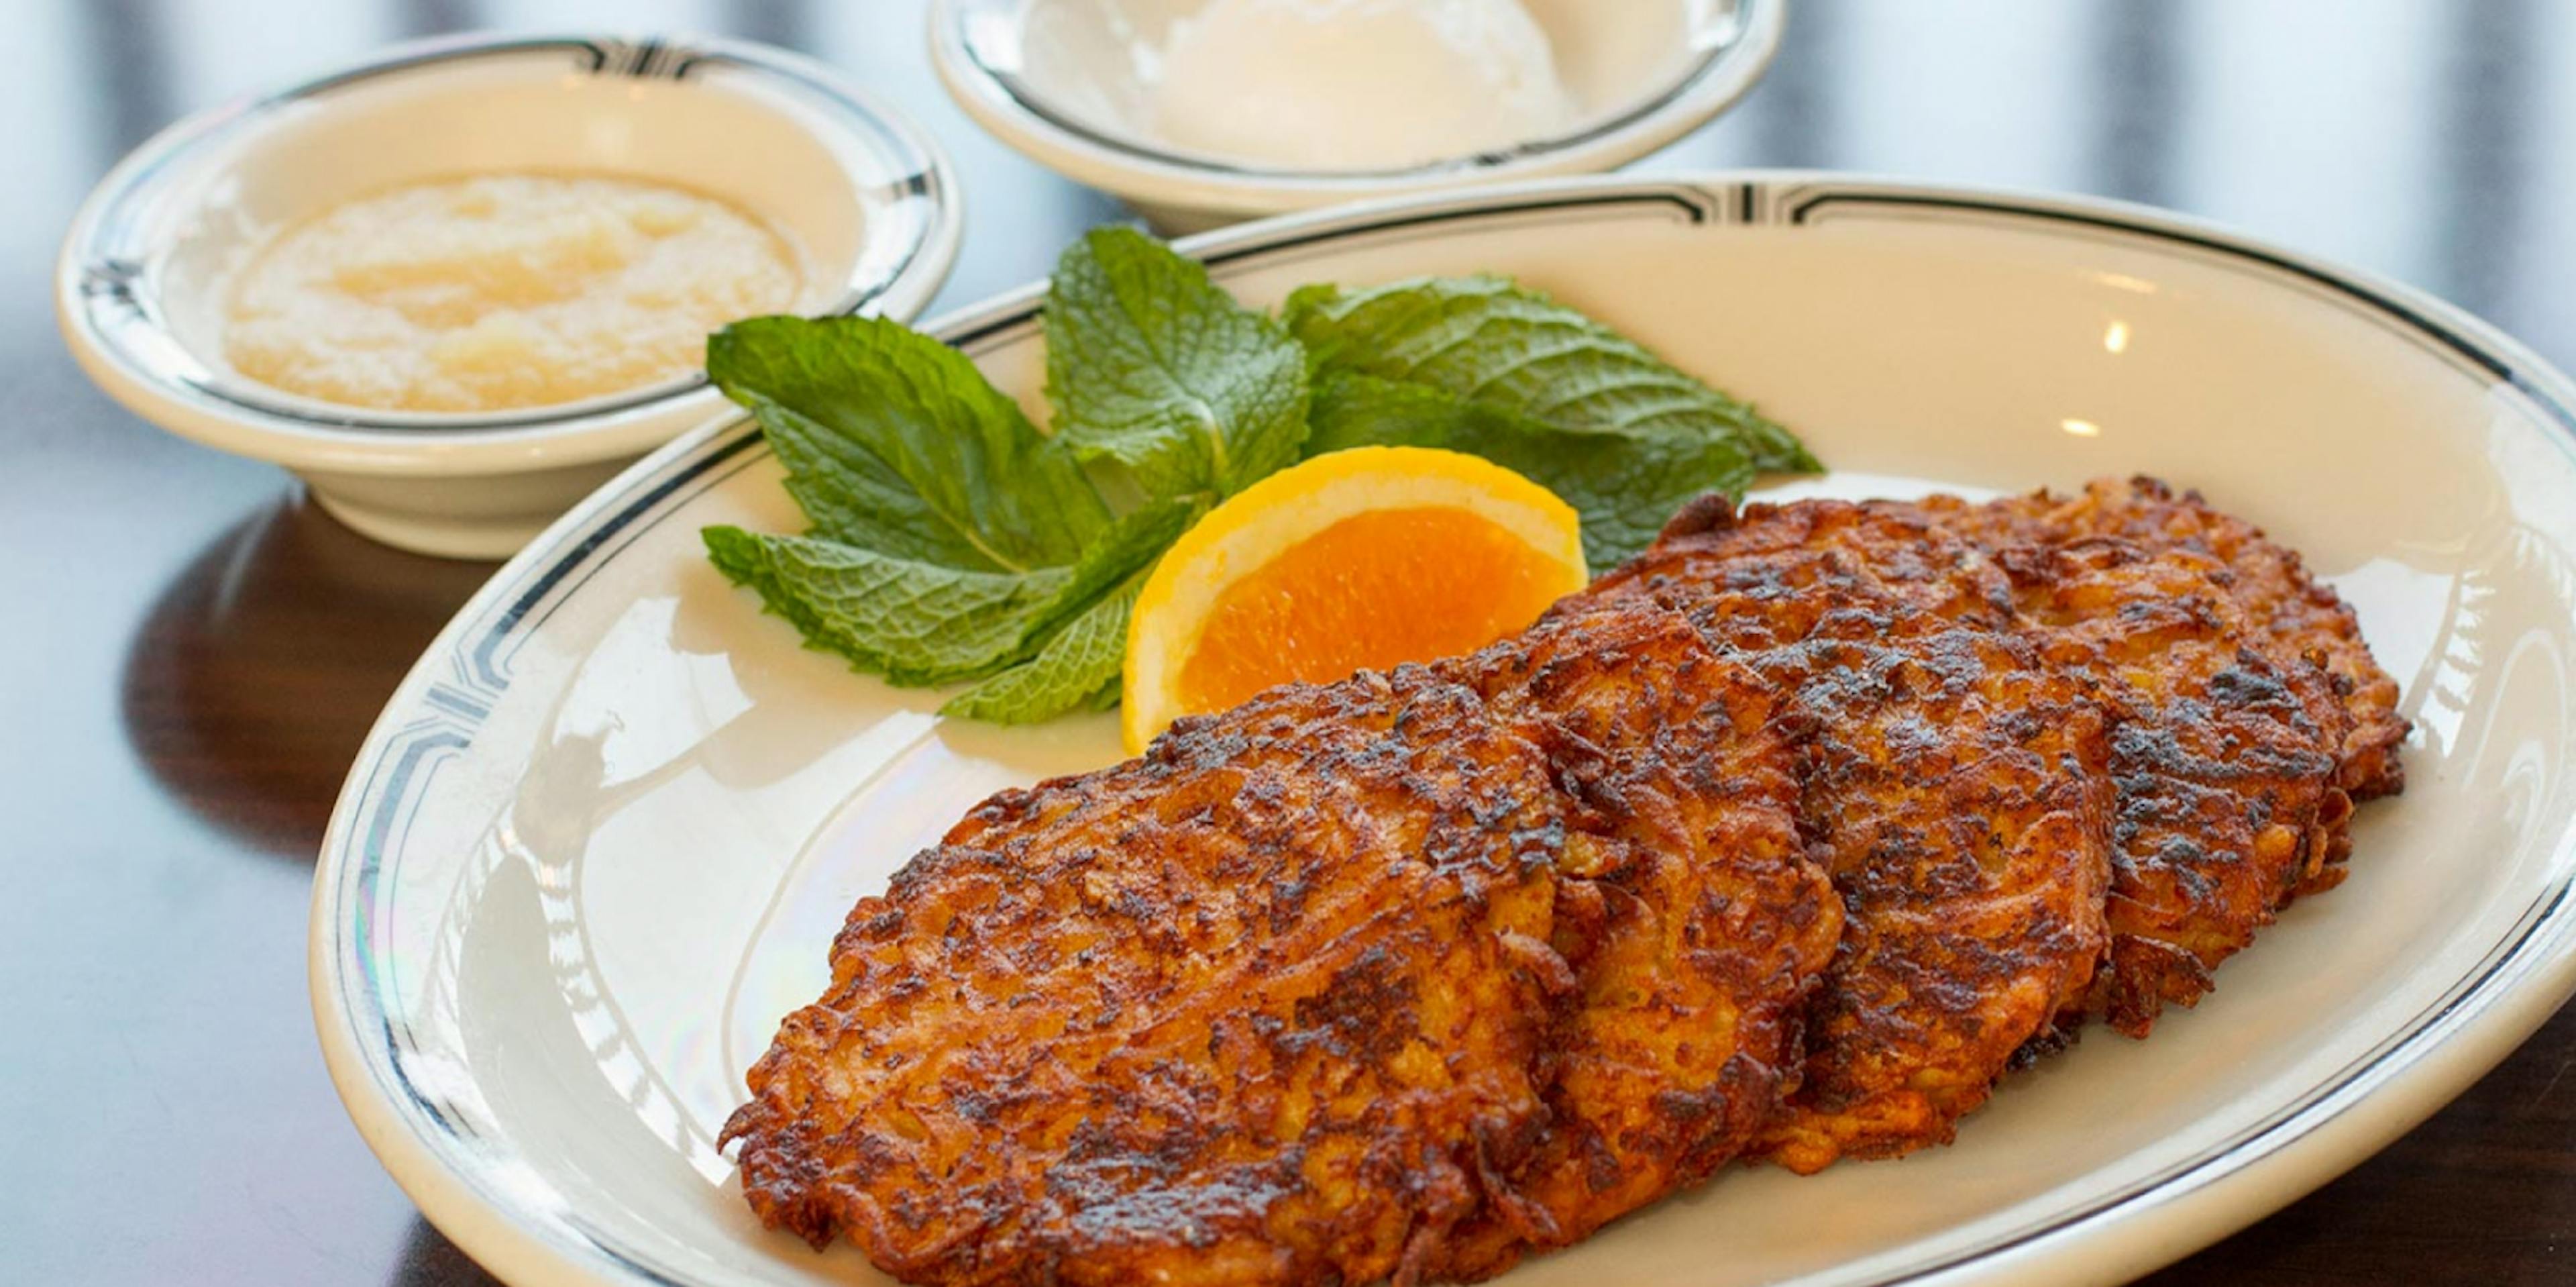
pixel 1785 840
pixel 1258 1007
pixel 2294 615
pixel 2221 668
pixel 1692 917
pixel 1955 783
pixel 2226 760
pixel 1951 779
pixel 1407 975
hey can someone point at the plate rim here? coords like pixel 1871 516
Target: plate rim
pixel 2486 1013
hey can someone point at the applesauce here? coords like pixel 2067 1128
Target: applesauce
pixel 501 291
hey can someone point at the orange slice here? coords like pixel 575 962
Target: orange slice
pixel 1355 560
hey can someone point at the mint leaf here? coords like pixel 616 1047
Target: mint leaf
pixel 1624 486
pixel 921 624
pixel 1353 410
pixel 1092 647
pixel 953 541
pixel 1076 669
pixel 1130 545
pixel 915 623
pixel 894 442
pixel 1498 345
pixel 1153 365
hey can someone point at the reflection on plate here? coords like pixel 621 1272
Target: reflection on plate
pixel 600 839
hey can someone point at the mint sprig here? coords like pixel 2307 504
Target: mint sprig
pixel 953 541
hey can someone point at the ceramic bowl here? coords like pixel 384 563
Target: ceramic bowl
pixel 1064 81
pixel 867 198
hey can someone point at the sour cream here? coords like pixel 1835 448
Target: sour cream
pixel 500 291
pixel 1356 84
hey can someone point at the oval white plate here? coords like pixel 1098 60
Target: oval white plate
pixel 601 838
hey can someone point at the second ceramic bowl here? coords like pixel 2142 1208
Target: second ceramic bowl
pixel 1065 81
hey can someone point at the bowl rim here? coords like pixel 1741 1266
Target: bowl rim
pixel 1131 167
pixel 179 391
pixel 2225 1190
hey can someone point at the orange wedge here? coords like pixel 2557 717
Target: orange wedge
pixel 1356 560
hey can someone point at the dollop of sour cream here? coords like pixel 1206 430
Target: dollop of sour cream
pixel 1357 84
pixel 498 291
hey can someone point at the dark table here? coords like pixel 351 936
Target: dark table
pixel 193 652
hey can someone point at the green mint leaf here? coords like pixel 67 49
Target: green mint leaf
pixel 1131 545
pixel 1112 692
pixel 1153 365
pixel 921 624
pixel 1494 343
pixel 915 623
pixel 1353 410
pixel 1624 486
pixel 1093 645
pixel 894 442
pixel 1076 669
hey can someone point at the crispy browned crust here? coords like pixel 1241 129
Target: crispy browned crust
pixel 1785 840
pixel 1262 1006
pixel 2225 759
pixel 2221 670
pixel 2229 671
pixel 1955 784
pixel 1777 574
pixel 1401 976
pixel 1952 781
pixel 2294 616
pixel 1689 910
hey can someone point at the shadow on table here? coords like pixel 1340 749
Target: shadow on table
pixel 430 1260
pixel 261 668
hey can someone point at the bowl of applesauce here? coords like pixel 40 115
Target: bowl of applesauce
pixel 459 286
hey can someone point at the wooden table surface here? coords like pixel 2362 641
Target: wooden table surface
pixel 193 652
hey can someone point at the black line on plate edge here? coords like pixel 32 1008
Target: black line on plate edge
pixel 701 483
pixel 1696 212
pixel 2450 339
pixel 2423 1021
pixel 597 536
pixel 1015 318
pixel 397 785
pixel 2539 913
pixel 1719 59
pixel 456 703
